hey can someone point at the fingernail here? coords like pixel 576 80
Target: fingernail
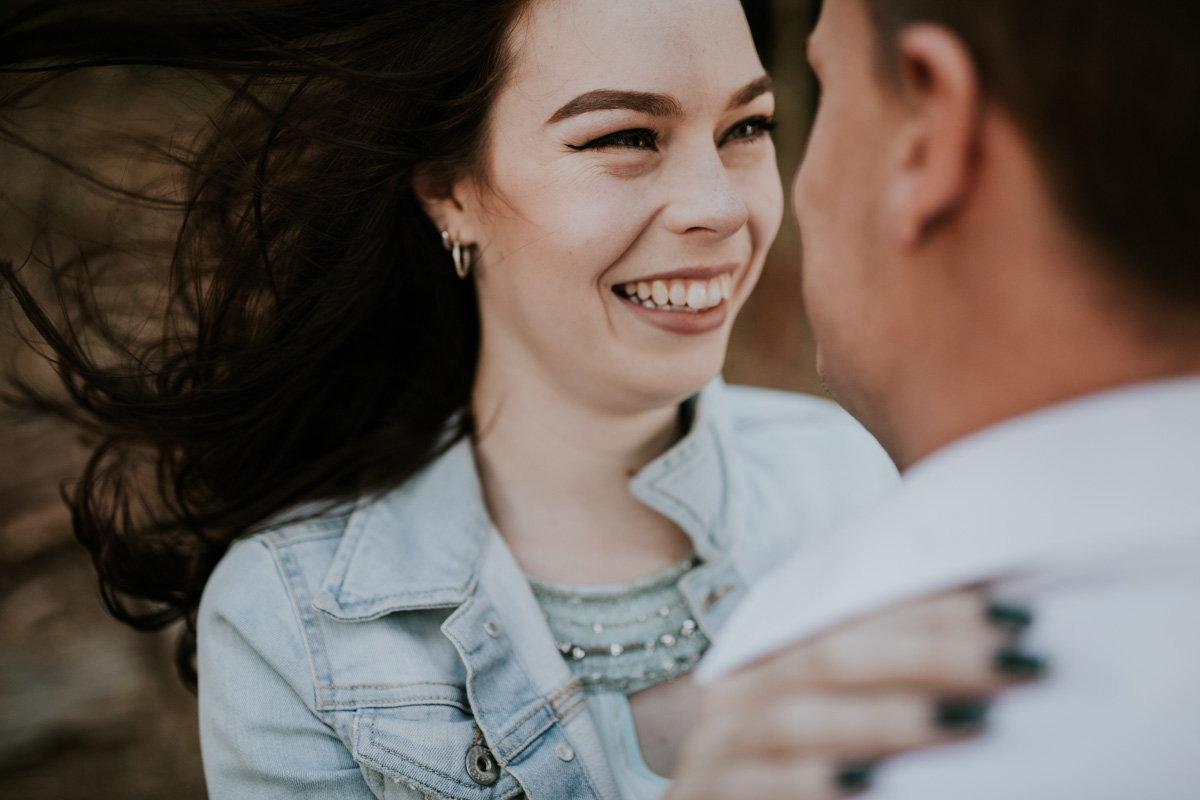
pixel 1008 616
pixel 1015 664
pixel 957 716
pixel 855 776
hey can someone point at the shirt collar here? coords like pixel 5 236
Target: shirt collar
pixel 422 544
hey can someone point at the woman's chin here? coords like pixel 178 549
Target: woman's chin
pixel 672 382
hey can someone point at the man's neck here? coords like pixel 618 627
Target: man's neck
pixel 1006 307
pixel 1008 377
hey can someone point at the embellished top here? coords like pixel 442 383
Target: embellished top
pixel 618 640
pixel 627 637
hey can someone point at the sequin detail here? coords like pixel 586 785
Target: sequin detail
pixel 624 638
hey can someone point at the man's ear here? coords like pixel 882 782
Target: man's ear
pixel 940 136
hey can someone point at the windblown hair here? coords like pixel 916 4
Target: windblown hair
pixel 317 342
pixel 1108 92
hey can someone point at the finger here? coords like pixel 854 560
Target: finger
pixel 945 645
pixel 853 727
pixel 946 612
pixel 957 642
pixel 947 615
pixel 841 727
pixel 794 779
pixel 961 662
pixel 958 665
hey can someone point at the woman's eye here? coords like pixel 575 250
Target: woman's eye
pixel 639 139
pixel 750 129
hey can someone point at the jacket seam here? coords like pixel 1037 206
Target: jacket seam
pixel 542 706
pixel 417 764
pixel 302 532
pixel 344 705
pixel 569 710
pixel 310 628
pixel 537 732
pixel 342 687
pixel 549 704
pixel 381 598
pixel 569 689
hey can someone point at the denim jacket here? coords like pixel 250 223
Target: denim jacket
pixel 393 649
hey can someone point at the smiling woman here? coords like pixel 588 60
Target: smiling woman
pixel 621 154
pixel 416 506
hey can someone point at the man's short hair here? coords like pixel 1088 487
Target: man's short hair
pixel 1108 92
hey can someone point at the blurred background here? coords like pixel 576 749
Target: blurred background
pixel 89 708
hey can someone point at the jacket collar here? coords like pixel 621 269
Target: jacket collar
pixel 422 545
pixel 689 484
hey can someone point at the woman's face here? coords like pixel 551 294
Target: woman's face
pixel 631 193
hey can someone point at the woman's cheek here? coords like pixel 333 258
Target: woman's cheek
pixel 763 195
pixel 605 225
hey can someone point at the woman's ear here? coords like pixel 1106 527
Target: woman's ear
pixel 440 199
pixel 939 140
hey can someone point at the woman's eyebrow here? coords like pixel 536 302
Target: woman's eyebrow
pixel 756 87
pixel 656 105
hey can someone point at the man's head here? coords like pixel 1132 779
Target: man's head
pixel 996 205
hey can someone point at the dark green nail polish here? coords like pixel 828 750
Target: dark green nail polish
pixel 1006 616
pixel 958 716
pixel 856 776
pixel 1015 664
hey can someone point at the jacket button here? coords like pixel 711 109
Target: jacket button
pixel 481 766
pixel 564 751
pixel 492 628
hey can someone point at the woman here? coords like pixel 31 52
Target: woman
pixel 461 277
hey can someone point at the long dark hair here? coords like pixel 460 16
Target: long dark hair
pixel 317 343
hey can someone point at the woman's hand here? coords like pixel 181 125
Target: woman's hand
pixel 809 722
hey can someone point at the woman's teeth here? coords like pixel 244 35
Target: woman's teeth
pixel 679 295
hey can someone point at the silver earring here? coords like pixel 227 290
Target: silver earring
pixel 459 252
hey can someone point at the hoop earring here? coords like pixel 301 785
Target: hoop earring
pixel 462 254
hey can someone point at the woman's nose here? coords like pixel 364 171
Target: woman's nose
pixel 702 198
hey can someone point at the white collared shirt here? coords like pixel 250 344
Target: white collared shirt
pixel 1089 511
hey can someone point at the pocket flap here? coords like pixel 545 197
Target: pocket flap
pixel 425 747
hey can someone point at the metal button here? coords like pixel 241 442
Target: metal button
pixel 481 766
pixel 564 751
pixel 492 627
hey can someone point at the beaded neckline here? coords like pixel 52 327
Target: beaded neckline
pixel 625 637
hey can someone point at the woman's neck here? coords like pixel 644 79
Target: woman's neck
pixel 555 476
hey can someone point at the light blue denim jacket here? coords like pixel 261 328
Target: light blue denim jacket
pixel 365 653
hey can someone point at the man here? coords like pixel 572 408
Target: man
pixel 996 207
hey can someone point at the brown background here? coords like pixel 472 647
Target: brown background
pixel 88 708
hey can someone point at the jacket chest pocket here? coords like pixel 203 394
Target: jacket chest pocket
pixel 432 749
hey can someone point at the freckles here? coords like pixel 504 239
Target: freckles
pixel 762 181
pixel 616 211
pixel 569 214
